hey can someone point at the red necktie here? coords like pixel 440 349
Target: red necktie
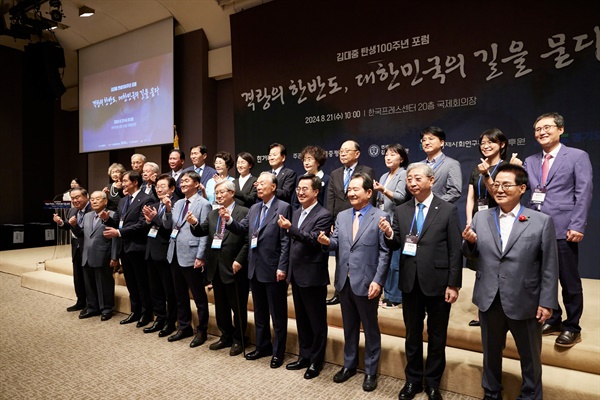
pixel 545 168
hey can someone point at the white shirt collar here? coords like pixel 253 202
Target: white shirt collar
pixel 512 213
pixel 554 152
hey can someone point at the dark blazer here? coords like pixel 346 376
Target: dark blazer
pixel 150 191
pixel 309 265
pixel 207 173
pixel 322 193
pixel 337 200
pixel 286 184
pixel 438 263
pixel 273 249
pixel 233 248
pixel 156 248
pixel 135 230
pixel 246 196
pixel 75 245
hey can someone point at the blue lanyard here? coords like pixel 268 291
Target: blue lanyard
pixel 181 220
pixel 497 220
pixel 413 223
pixel 479 182
pixel 437 164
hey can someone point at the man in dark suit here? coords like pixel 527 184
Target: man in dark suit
pixel 96 256
pixel 162 290
pixel 517 281
pixel 227 261
pixel 149 175
pixel 337 191
pixel 198 155
pixel 309 275
pixel 286 178
pixel 176 161
pixel 129 224
pixel 268 262
pixel 428 232
pixel 560 180
pixel 362 269
pixel 81 206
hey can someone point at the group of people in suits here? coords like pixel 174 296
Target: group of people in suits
pixel 284 235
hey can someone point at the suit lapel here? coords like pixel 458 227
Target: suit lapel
pixel 271 213
pixel 366 221
pixel 431 214
pixel 517 230
pixel 491 220
pixel 556 165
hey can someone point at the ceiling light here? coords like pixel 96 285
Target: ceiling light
pixel 85 12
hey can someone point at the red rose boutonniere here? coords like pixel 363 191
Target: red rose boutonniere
pixel 523 218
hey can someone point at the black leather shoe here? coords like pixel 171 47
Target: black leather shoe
pixel 486 397
pixel 198 340
pixel 145 320
pixel 255 355
pixel 167 330
pixel 182 334
pixel 344 374
pixel 474 322
pixel 133 317
pixel 333 301
pixel 409 391
pixel 106 316
pixel 370 383
pixel 565 339
pixel 433 393
pixel 276 362
pixel 300 363
pixel 88 314
pixel 76 307
pixel 313 371
pixel 221 344
pixel 156 326
pixel 548 329
pixel 236 349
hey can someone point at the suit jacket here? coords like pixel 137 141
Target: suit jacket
pixel 397 185
pixel 97 250
pixel 245 196
pixel 188 247
pixel 286 184
pixel 66 226
pixel 135 230
pixel 438 263
pixel 337 200
pixel 448 179
pixel 273 249
pixel 157 247
pixel 149 191
pixel 309 265
pixel 525 274
pixel 321 198
pixel 568 189
pixel 367 258
pixel 207 173
pixel 233 248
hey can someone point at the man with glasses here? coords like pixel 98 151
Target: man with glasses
pixel 448 176
pixel 517 280
pixel 560 181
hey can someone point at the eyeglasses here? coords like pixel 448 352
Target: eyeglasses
pixel 221 192
pixel 504 186
pixel 302 189
pixel 545 128
pixel 486 143
pixel 345 151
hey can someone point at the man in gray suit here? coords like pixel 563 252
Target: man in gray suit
pixel 97 254
pixel 359 276
pixel 517 280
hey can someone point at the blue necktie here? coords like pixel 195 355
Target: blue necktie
pixel 263 214
pixel 420 218
pixel 347 180
pixel 302 217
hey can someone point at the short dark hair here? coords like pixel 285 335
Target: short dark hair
pixel 315 181
pixel 134 176
pixel 319 154
pixel 181 153
pixel 367 180
pixel 282 149
pixel 558 119
pixel 225 156
pixel 521 176
pixel 249 158
pixel 435 131
pixel 84 192
pixel 398 148
pixel 169 178
pixel 495 135
pixel 202 148
pixel 193 175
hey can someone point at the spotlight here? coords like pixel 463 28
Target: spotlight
pixel 56 15
pixel 85 12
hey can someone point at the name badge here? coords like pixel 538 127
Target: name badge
pixel 483 204
pixel 254 240
pixel 410 245
pixel 538 196
pixel 174 233
pixel 153 232
pixel 215 206
pixel 381 207
pixel 217 241
pixel 121 224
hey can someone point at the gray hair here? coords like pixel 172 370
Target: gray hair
pixel 101 193
pixel 226 184
pixel 154 166
pixel 143 157
pixel 421 166
pixel 271 176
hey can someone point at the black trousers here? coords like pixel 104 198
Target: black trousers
pixel 192 278
pixel 270 299
pixel 78 279
pixel 311 320
pixel 99 288
pixel 227 298
pixel 136 279
pixel 162 290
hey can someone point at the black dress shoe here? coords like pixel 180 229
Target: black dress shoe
pixel 156 326
pixel 370 383
pixel 198 340
pixel 236 349
pixel 145 320
pixel 106 316
pixel 181 334
pixel 76 307
pixel 313 371
pixel 221 344
pixel 486 397
pixel 167 330
pixel 276 362
pixel 333 301
pixel 255 355
pixel 548 329
pixel 565 339
pixel 344 374
pixel 300 363
pixel 88 314
pixel 474 322
pixel 133 317
pixel 409 391
pixel 433 393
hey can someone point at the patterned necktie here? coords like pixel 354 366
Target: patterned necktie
pixel 355 224
pixel 302 217
pixel 420 218
pixel 80 218
pixel 545 168
pixel 347 178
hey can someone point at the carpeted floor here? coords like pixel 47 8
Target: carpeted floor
pixel 47 353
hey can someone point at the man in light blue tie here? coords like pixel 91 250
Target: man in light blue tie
pixel 198 155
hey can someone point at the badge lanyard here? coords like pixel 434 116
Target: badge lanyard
pixel 479 182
